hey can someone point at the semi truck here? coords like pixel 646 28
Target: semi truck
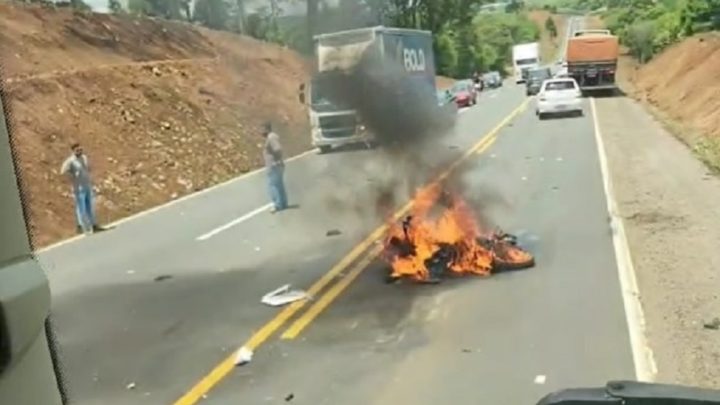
pixel 591 57
pixel 525 58
pixel 333 124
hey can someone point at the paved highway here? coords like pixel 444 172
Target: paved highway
pixel 507 339
pixel 128 339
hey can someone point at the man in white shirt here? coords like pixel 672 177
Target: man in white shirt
pixel 77 169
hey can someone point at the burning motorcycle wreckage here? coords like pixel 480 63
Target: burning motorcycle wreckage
pixel 441 238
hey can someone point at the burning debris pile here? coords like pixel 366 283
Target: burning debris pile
pixel 442 238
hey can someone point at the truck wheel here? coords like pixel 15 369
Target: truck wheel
pixel 324 149
pixel 541 116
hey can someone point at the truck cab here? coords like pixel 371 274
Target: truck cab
pixel 334 124
pixel 525 58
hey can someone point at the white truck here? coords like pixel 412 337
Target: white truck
pixel 335 125
pixel 525 58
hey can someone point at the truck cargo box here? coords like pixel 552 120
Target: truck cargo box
pixel 592 48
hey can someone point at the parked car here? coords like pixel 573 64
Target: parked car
pixel 559 96
pixel 535 79
pixel 464 93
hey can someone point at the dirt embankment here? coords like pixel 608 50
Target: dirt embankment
pixel 682 87
pixel 549 45
pixel 162 108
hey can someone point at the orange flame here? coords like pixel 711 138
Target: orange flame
pixel 410 245
pixel 454 225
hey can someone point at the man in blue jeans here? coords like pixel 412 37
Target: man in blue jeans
pixel 275 166
pixel 77 170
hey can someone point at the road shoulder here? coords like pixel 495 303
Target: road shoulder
pixel 668 201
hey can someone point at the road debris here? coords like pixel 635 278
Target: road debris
pixel 713 325
pixel 333 232
pixel 243 356
pixel 289 397
pixel 283 295
pixel 163 277
pixel 130 386
pixel 540 379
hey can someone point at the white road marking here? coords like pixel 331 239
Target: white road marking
pixel 643 358
pixel 234 222
pixel 173 202
pixel 540 379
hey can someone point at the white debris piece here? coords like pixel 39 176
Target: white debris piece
pixel 540 379
pixel 283 295
pixel 243 356
pixel 130 386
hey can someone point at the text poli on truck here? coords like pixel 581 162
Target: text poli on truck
pixel 334 125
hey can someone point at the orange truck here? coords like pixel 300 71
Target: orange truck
pixel 591 59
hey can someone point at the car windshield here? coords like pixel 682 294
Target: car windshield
pixel 540 74
pixel 527 61
pixel 560 85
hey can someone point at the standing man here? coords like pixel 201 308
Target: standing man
pixel 275 166
pixel 77 170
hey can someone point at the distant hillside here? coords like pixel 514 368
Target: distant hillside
pixel 163 108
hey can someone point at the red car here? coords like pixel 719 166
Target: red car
pixel 464 93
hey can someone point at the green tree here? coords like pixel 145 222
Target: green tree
pixel 139 7
pixel 211 13
pixel 640 39
pixel 115 7
pixel 80 5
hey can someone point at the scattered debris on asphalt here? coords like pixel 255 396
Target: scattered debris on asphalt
pixel 243 356
pixel 283 295
pixel 333 232
pixel 289 397
pixel 453 147
pixel 130 386
pixel 540 379
pixel 523 178
pixel 713 325
pixel 131 272
pixel 163 277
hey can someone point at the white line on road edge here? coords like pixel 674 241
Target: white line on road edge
pixel 173 202
pixel 643 358
pixel 234 222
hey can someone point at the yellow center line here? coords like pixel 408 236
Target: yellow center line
pixel 323 302
pixel 224 368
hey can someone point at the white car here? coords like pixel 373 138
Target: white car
pixel 559 96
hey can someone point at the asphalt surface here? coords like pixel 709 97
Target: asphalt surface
pixel 508 339
pixel 126 338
